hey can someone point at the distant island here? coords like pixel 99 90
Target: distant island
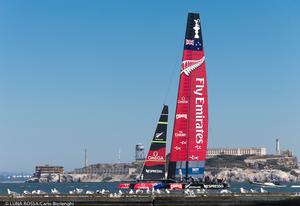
pixel 241 168
pixel 13 177
pixel 254 168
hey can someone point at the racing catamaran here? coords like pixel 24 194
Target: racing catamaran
pixel 190 134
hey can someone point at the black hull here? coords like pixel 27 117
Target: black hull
pixel 216 186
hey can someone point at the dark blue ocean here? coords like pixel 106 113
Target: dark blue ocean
pixel 64 188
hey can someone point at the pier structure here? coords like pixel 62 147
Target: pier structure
pixel 237 199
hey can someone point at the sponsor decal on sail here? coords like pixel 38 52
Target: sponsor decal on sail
pixel 193 157
pixel 189 65
pixel 155 157
pixel 180 134
pixel 153 171
pixel 182 142
pixel 179 116
pixel 200 101
pixel 183 100
pixel 198 147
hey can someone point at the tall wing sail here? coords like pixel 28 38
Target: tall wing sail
pixel 194 67
pixel 189 140
pixel 155 162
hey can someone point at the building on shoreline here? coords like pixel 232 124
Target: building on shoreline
pixel 46 169
pixel 108 169
pixel 259 151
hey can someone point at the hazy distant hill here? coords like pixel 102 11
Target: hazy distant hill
pixel 13 177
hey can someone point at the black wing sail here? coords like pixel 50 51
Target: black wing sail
pixel 155 162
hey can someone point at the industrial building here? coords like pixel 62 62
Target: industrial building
pixel 46 169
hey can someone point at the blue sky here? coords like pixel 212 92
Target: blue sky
pixel 95 74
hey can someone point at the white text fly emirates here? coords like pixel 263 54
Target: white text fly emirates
pixel 200 101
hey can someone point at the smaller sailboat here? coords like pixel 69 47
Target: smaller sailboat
pixel 154 167
pixel 273 183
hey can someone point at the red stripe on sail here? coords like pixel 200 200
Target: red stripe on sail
pixel 190 134
pixel 198 108
pixel 156 157
pixel 179 139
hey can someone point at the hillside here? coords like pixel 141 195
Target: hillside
pixel 232 168
pixel 254 168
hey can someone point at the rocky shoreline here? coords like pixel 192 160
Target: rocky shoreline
pixel 243 175
pixel 64 178
pixel 233 174
pixel 255 168
pixel 231 168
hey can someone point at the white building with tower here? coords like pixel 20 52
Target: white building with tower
pixel 260 151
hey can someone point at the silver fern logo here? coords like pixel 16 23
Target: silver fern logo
pixel 157 135
pixel 190 65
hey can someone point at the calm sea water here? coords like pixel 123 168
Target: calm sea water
pixel 112 187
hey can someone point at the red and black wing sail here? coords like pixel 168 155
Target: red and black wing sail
pixel 189 140
pixel 155 162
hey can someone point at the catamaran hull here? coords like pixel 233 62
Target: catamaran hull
pixel 124 185
pixel 267 184
pixel 172 186
pixel 138 185
pixel 144 186
pixel 207 186
pixel 176 186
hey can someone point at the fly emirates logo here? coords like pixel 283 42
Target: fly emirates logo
pixel 199 104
